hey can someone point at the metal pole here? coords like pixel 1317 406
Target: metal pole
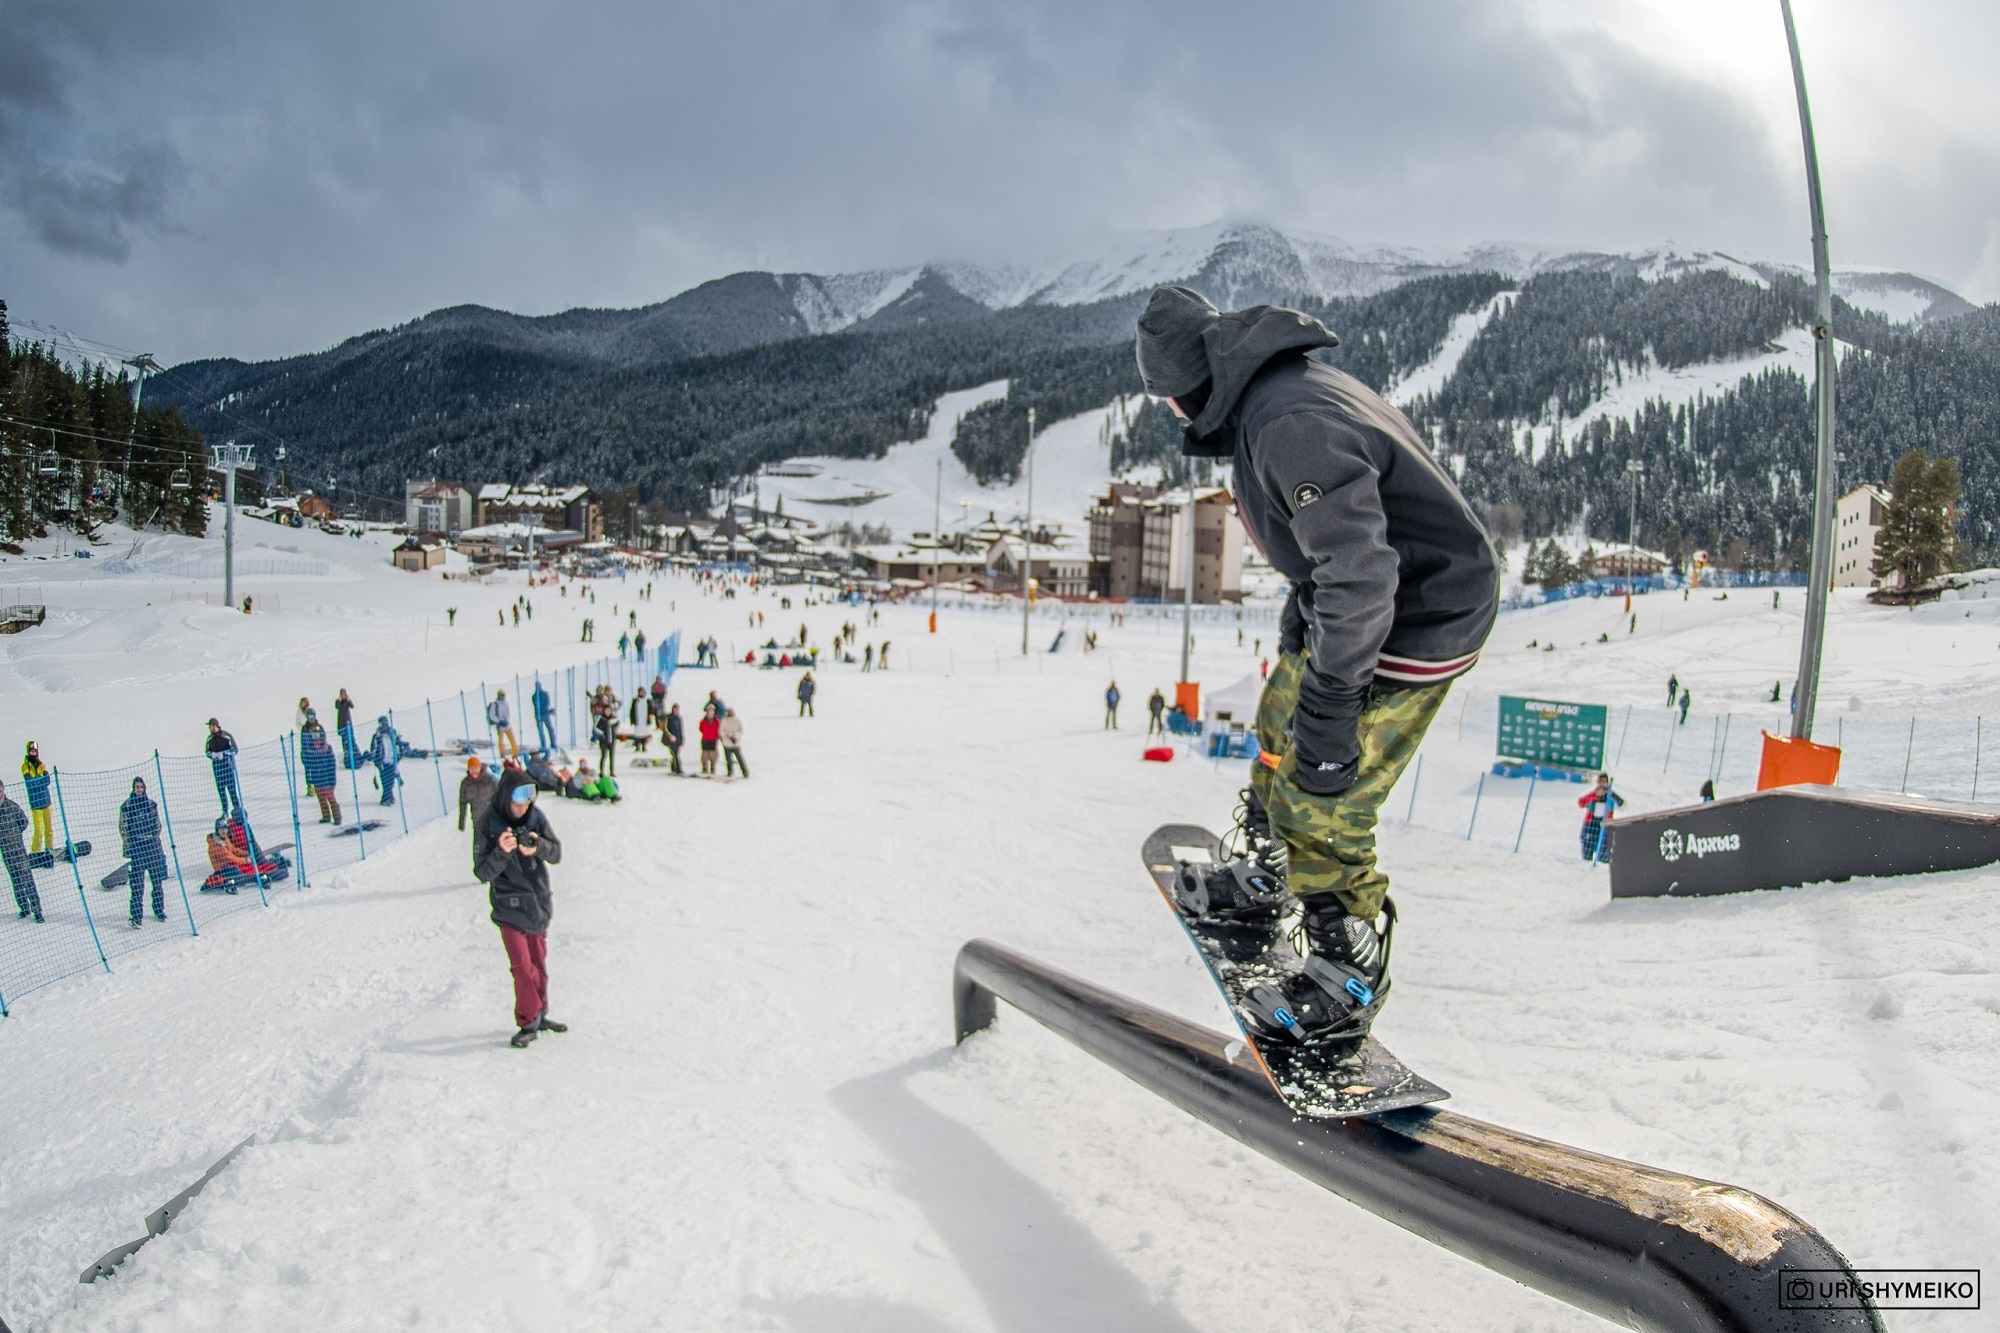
pixel 1909 750
pixel 937 540
pixel 76 871
pixel 1415 778
pixel 1978 730
pixel 173 849
pixel 1028 536
pixel 1806 692
pixel 1633 467
pixel 1534 776
pixel 1187 601
pixel 229 538
pixel 1477 792
pixel 395 777
pixel 292 791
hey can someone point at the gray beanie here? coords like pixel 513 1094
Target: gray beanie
pixel 1172 357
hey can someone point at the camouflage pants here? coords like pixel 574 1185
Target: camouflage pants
pixel 1330 840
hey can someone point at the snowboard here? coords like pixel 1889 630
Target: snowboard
pixel 1329 1084
pixel 365 826
pixel 71 853
pixel 118 878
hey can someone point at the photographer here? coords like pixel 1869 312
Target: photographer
pixel 515 849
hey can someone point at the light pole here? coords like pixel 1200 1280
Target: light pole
pixel 1028 536
pixel 1187 600
pixel 937 539
pixel 1633 467
pixel 1805 694
pixel 228 458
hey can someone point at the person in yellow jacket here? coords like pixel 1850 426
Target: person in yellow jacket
pixel 35 776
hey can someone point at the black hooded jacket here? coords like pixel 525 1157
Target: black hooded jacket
pixel 518 886
pixel 1394 575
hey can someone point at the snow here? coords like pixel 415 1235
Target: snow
pixel 758 1120
pixel 1430 376
pixel 1071 461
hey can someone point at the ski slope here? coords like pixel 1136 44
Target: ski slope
pixel 757 1120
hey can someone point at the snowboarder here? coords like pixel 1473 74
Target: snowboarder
pixel 501 718
pixel 221 751
pixel 710 729
pixel 624 642
pixel 139 843
pixel 1777 691
pixel 35 777
pixel 1687 698
pixel 450 616
pixel 1395 587
pixel 1673 688
pixel 316 759
pixel 1707 790
pixel 806 691
pixel 516 846
pixel 1599 804
pixel 639 646
pixel 1156 712
pixel 731 735
pixel 673 734
pixel 343 722
pixel 385 751
pixel 14 856
pixel 868 658
pixel 1111 697
pixel 475 792
pixel 545 715
pixel 882 656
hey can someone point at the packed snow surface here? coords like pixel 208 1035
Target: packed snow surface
pixel 758 1121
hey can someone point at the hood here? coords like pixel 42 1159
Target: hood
pixel 1239 344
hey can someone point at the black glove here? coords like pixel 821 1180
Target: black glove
pixel 1324 735
pixel 1292 623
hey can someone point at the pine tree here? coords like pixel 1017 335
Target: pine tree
pixel 1919 539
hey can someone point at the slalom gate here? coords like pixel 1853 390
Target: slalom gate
pixel 157 821
pixel 1789 836
pixel 1639 1246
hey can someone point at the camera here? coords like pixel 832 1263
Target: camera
pixel 528 839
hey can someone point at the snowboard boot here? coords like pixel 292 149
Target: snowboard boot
pixel 1339 989
pixel 520 1040
pixel 547 1024
pixel 1235 893
pixel 1252 838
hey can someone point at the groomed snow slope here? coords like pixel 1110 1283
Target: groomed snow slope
pixel 758 1121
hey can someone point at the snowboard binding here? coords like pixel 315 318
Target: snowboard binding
pixel 1339 989
pixel 1236 892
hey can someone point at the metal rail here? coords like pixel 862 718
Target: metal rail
pixel 1642 1247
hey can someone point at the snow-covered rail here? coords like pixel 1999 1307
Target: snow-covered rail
pixel 1642 1247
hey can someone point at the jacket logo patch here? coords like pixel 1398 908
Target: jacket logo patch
pixel 1304 494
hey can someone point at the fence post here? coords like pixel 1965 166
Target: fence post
pixel 1673 728
pixel 292 790
pixel 437 757
pixel 1415 778
pixel 1723 753
pixel 569 702
pixel 1907 750
pixel 1534 776
pixel 1622 732
pixel 76 872
pixel 1978 727
pixel 1476 793
pixel 173 849
pixel 465 722
pixel 354 791
pixel 486 719
pixel 396 770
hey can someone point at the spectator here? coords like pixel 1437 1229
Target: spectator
pixel 731 735
pixel 673 735
pixel 35 777
pixel 882 656
pixel 475 792
pixel 14 855
pixel 1707 790
pixel 1687 698
pixel 343 722
pixel 1599 804
pixel 1156 708
pixel 221 750
pixel 1673 689
pixel 316 759
pixel 639 645
pixel 1111 698
pixel 305 711
pixel 514 850
pixel 868 657
pixel 710 728
pixel 607 739
pixel 659 693
pixel 806 691
pixel 538 771
pixel 385 751
pixel 139 843
pixel 545 715
pixel 501 719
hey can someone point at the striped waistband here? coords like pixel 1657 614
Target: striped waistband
pixel 1412 671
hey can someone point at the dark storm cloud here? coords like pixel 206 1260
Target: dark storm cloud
pixel 274 177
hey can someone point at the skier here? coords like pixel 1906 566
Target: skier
pixel 501 719
pixel 475 792
pixel 1156 711
pixel 545 715
pixel 1395 586
pixel 385 751
pixel 317 762
pixel 673 734
pixel 1599 804
pixel 515 848
pixel 221 751
pixel 806 691
pixel 35 777
pixel 1111 697
pixel 139 843
pixel 343 722
pixel 14 856
pixel 710 729
pixel 730 733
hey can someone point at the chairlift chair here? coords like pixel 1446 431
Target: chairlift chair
pixel 178 479
pixel 51 463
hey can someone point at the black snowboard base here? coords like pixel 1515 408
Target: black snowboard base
pixel 1321 1083
pixel 365 826
pixel 68 854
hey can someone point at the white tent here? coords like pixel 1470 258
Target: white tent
pixel 1235 704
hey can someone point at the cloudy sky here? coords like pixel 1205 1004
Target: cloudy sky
pixel 256 177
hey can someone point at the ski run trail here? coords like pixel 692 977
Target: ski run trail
pixel 757 1120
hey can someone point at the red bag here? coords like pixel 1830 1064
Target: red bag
pixel 1160 754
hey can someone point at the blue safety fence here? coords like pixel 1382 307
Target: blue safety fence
pixel 179 841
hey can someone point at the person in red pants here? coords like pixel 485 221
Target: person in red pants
pixel 516 848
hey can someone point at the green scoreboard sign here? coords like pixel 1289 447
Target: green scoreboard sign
pixel 1546 732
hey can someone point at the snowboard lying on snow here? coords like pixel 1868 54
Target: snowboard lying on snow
pixel 1331 1082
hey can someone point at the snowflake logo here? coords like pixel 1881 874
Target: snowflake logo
pixel 1670 845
